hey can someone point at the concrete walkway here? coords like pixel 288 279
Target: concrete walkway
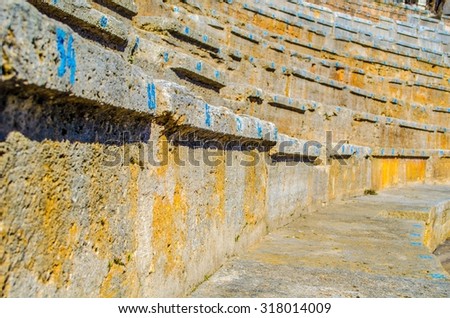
pixel 348 249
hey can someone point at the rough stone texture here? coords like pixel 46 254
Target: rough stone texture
pixel 371 246
pixel 93 92
pixel 446 8
pixel 80 220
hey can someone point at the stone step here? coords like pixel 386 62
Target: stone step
pixel 370 246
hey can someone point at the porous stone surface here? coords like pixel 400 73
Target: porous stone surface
pixel 369 246
pixel 143 143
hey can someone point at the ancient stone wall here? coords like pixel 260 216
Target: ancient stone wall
pixel 144 142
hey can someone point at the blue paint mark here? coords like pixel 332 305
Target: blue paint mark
pixel 416 243
pixel 187 30
pixel 71 62
pixel 415 235
pixel 251 59
pixel 259 129
pixel 60 39
pixel 175 9
pixel 151 96
pixel 205 38
pixel 437 276
pixel 392 151
pixel 55 1
pixel 198 67
pixel 103 21
pixel 418 226
pixel 166 57
pixel 239 123
pixel 382 151
pixel 425 257
pixel 216 74
pixel 275 133
pixel 136 44
pixel 283 69
pixel 66 56
pixel 207 115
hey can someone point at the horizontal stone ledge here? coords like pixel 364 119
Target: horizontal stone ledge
pixel 42 52
pixel 87 73
pixel 92 21
pixel 443 153
pixel 319 8
pixel 179 30
pixel 417 126
pixel 403 152
pixel 396 81
pixel 442 109
pixel 257 10
pixel 366 117
pixel 308 45
pixel 360 92
pixel 287 146
pixel 372 118
pixel 194 4
pixel 277 47
pixel 293 147
pixel 295 104
pixel 127 8
pixel 198 70
pixel 432 86
pixel 317 78
pixel 435 52
pixel 346 28
pixel 425 73
pixel 348 150
pixel 325 22
pixel 246 35
pixel 344 38
pixel 242 92
pixel 187 113
pixel 306 17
